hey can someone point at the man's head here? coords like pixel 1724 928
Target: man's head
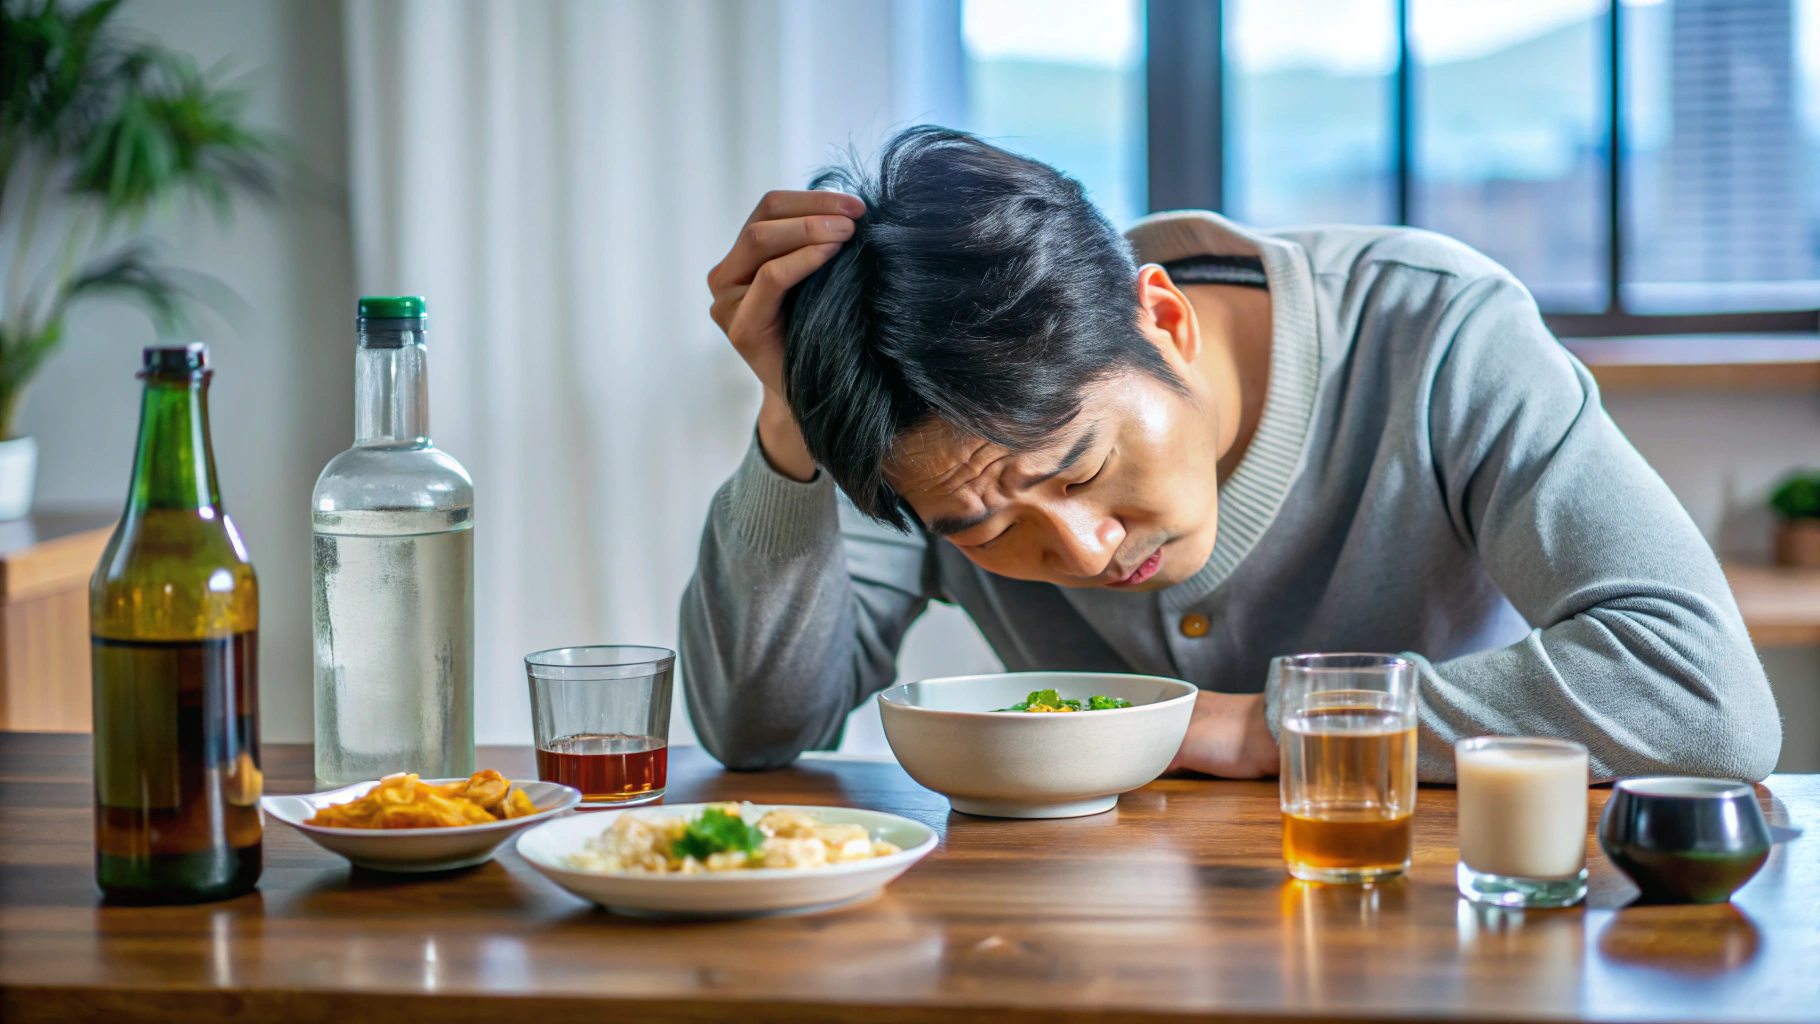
pixel 985 351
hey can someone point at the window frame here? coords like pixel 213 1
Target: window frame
pixel 1186 150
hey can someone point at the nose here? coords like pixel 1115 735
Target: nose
pixel 1084 545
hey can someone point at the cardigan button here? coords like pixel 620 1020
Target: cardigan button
pixel 1195 625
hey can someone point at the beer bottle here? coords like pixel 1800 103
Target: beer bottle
pixel 174 614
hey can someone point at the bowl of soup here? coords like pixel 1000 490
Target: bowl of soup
pixel 1036 744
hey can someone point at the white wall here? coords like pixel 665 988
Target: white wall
pixel 282 396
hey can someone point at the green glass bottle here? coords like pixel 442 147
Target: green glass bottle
pixel 174 617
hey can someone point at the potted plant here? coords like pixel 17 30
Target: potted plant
pixel 98 130
pixel 1797 504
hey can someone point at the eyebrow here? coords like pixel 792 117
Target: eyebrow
pixel 948 526
pixel 1085 442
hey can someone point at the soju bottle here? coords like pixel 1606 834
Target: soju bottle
pixel 174 613
pixel 394 573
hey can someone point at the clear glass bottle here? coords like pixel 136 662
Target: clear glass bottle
pixel 174 619
pixel 393 573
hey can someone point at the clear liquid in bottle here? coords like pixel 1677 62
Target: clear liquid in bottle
pixel 394 666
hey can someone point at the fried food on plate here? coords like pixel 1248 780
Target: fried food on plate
pixel 405 801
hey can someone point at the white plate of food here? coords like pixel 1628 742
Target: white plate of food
pixel 721 860
pixel 403 823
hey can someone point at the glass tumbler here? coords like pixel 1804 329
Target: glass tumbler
pixel 1348 780
pixel 1522 813
pixel 602 720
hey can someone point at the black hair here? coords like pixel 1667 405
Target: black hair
pixel 981 288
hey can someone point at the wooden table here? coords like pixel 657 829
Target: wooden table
pixel 1175 906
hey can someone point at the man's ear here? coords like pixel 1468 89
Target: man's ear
pixel 1165 315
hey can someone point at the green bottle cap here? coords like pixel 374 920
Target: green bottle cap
pixel 392 307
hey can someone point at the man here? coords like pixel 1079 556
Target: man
pixel 1252 444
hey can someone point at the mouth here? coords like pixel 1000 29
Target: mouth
pixel 1142 572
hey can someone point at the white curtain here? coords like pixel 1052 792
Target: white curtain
pixel 556 177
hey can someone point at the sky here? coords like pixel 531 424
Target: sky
pixel 1102 33
pixel 1338 36
pixel 1359 36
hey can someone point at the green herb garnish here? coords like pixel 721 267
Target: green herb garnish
pixel 1049 700
pixel 1043 698
pixel 717 831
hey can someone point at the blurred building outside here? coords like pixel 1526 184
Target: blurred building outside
pixel 1739 203
pixel 1721 109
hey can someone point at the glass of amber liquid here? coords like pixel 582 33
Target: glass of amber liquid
pixel 1349 764
pixel 602 720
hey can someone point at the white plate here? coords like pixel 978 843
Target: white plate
pixel 725 893
pixel 415 849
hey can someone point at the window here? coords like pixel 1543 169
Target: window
pixel 1722 155
pixel 1495 121
pixel 1309 134
pixel 1507 148
pixel 1063 81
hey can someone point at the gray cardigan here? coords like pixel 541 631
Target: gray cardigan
pixel 1433 474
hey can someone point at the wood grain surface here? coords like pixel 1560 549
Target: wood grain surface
pixel 1706 362
pixel 45 682
pixel 1172 907
pixel 45 563
pixel 53 565
pixel 1780 603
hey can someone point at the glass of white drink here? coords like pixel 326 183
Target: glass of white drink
pixel 1522 806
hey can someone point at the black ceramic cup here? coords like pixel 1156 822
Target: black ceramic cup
pixel 1685 840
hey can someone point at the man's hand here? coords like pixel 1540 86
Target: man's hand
pixel 787 238
pixel 1227 737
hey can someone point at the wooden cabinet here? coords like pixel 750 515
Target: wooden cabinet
pixel 45 564
pixel 1780 604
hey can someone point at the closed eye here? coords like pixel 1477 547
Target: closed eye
pixel 1071 488
pixel 997 537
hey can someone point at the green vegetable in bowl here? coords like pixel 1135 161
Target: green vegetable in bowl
pixel 717 831
pixel 1049 700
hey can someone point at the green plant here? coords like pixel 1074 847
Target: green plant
pixel 101 130
pixel 1798 497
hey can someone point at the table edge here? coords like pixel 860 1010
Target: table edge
pixel 31 1004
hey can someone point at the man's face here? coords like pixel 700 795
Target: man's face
pixel 1124 496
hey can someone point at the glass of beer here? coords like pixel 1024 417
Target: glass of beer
pixel 602 720
pixel 1348 742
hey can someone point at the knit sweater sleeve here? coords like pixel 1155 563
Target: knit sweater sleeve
pixel 1636 647
pixel 794 615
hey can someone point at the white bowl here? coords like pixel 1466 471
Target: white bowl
pixel 549 846
pixel 1013 765
pixel 415 849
